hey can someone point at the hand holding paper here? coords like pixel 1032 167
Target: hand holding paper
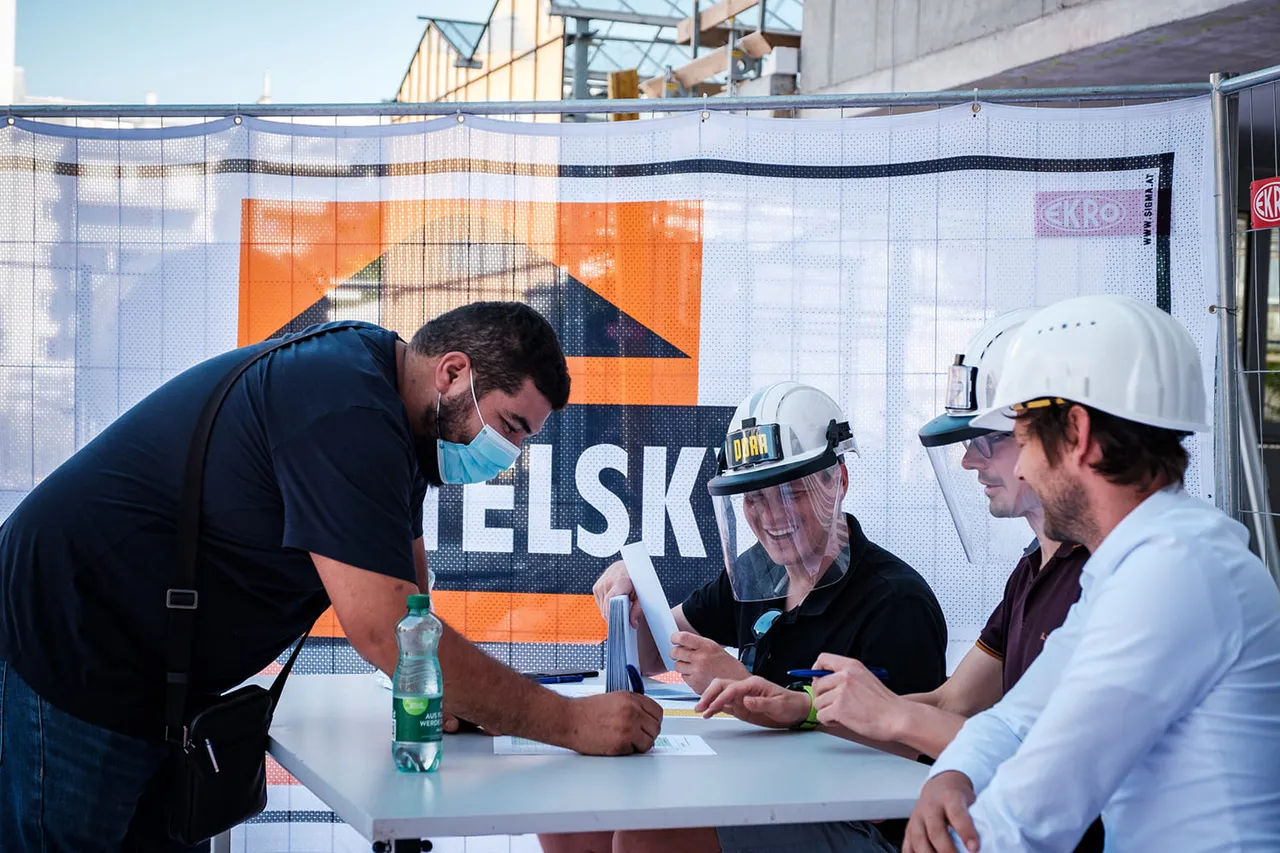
pixel 614 582
pixel 653 601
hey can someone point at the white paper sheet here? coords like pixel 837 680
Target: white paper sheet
pixel 679 691
pixel 664 745
pixel 653 601
pixel 577 690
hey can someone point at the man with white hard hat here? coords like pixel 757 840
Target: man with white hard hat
pixel 1157 701
pixel 799 578
pixel 1040 590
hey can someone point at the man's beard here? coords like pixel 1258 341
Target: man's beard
pixel 1067 516
pixel 453 415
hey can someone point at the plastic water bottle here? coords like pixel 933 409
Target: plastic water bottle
pixel 417 690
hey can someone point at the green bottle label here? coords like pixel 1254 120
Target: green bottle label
pixel 418 719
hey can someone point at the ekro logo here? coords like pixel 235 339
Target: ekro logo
pixel 1097 213
pixel 1266 203
pixel 1083 213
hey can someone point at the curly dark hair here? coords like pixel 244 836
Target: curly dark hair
pixel 508 342
pixel 1133 454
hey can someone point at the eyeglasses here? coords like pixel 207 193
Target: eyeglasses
pixel 747 654
pixel 986 444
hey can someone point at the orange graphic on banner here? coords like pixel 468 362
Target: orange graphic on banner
pixel 506 617
pixel 644 258
pixel 418 258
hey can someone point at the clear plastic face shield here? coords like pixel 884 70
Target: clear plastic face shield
pixel 975 472
pixel 782 529
pixel 975 492
pixel 974 469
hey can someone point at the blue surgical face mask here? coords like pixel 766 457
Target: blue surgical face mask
pixel 483 458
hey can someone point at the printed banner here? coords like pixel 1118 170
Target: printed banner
pixel 683 261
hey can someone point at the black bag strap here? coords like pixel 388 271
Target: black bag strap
pixel 183 599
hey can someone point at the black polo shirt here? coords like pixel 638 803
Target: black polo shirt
pixel 881 611
pixel 1036 601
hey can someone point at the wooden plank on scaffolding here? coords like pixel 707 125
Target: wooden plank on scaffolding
pixel 712 16
pixel 624 84
pixel 707 65
pixel 720 36
pixel 652 88
pixel 755 45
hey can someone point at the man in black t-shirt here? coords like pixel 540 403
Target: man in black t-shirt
pixel 317 466
pixel 799 579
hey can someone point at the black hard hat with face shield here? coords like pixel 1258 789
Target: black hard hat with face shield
pixel 778 493
pixel 971 384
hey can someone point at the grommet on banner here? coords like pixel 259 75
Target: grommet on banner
pixel 975 107
pixel 706 113
pixel 461 118
pixel 238 120
pixel 11 121
pixel 1214 309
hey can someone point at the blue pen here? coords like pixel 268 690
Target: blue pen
pixel 881 674
pixel 560 679
pixel 637 683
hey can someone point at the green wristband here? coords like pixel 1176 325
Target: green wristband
pixel 812 721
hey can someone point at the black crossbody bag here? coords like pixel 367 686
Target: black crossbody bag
pixel 216 768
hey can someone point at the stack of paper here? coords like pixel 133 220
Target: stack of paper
pixel 621 647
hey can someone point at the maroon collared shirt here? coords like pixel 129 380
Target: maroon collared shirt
pixel 1036 601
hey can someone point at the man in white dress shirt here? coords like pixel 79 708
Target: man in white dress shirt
pixel 1158 700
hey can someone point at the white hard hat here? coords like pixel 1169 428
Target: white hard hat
pixel 972 379
pixel 1113 353
pixel 782 431
pixel 776 500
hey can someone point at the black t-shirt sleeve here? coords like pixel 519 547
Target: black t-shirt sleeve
pixel 419 496
pixel 712 611
pixel 992 638
pixel 907 637
pixel 347 484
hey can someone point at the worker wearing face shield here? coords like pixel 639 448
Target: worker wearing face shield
pixel 1155 700
pixel 799 578
pixel 975 470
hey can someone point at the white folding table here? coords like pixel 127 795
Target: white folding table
pixel 333 733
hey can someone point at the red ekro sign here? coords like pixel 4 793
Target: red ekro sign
pixel 1264 203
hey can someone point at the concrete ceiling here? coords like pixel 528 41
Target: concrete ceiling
pixel 1240 38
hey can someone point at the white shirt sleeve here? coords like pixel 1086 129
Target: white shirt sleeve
pixel 1157 634
pixel 992 737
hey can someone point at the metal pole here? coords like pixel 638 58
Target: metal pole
pixel 730 88
pixel 1232 85
pixel 1254 473
pixel 1159 91
pixel 695 37
pixel 581 48
pixel 1228 429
